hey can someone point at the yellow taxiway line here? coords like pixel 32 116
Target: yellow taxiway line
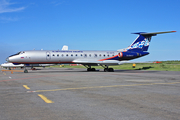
pixel 25 86
pixel 103 87
pixel 4 73
pixel 45 98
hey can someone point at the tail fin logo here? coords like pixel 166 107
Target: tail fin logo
pixel 140 44
pixel 146 42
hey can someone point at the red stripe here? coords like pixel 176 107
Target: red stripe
pixel 108 58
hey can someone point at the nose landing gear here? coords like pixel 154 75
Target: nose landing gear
pixel 25 70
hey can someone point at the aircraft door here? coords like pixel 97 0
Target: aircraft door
pixel 48 55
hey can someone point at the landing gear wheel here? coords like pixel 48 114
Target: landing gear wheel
pixel 106 70
pixel 25 71
pixel 91 69
pixel 111 70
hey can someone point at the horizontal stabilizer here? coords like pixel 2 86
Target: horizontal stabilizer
pixel 153 34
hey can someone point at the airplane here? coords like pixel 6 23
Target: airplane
pixel 137 49
pixel 11 65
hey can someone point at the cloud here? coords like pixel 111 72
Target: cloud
pixel 5 7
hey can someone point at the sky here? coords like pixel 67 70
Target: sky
pixel 89 25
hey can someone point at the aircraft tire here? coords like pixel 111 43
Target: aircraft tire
pixel 106 70
pixel 93 69
pixel 111 70
pixel 25 71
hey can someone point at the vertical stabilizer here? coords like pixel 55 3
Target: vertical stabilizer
pixel 142 42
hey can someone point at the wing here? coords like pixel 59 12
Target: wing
pixel 97 63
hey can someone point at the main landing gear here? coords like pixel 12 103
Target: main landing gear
pixel 89 68
pixel 106 69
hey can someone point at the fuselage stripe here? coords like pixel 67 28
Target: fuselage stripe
pixel 108 58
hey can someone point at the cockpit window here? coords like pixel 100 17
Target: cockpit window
pixel 18 53
pixel 22 52
pixel 15 54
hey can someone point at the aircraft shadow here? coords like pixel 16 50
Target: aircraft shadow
pixel 59 70
pixel 144 68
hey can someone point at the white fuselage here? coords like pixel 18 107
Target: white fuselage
pixel 62 56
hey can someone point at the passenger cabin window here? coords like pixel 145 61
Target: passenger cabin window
pixel 53 54
pixel 66 54
pixel 81 55
pixel 71 55
pixel 95 55
pixel 89 55
pixel 58 55
pixel 104 55
pixel 76 55
pixel 85 55
pixel 62 55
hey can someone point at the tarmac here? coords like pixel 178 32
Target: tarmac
pixel 75 94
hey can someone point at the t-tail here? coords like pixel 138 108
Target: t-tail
pixel 142 41
pixel 140 46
